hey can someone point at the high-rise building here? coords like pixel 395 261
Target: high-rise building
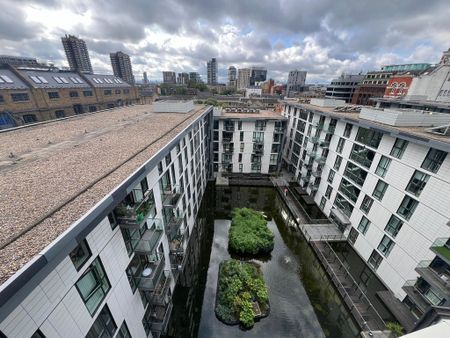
pixel 296 81
pixel 77 54
pixel 194 77
pixel 121 65
pixel 145 78
pixel 343 87
pixel 232 77
pixel 13 60
pixel 183 78
pixel 244 75
pixel 211 68
pixel 169 77
pixel 258 74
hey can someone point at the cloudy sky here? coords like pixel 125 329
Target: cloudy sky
pixel 324 37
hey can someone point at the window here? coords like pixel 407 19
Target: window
pixel 126 91
pixel 87 93
pixel 107 92
pixel 379 190
pixel 328 192
pixel 337 163
pixel 53 95
pixel 241 136
pixel 2 100
pixel 73 94
pixel 406 209
pixel 353 235
pixel 340 145
pixel 123 331
pixel 93 286
pixel 348 130
pixel 104 326
pixel 29 118
pixel 322 203
pixel 117 91
pixel 241 147
pixel 6 79
pixel 385 246
pixel 59 114
pixel 433 160
pixel 37 334
pixel 241 167
pixel 383 166
pixel 330 176
pixel 417 183
pixel 369 137
pixel 375 259
pixel 393 226
pixel 366 204
pixel 80 255
pixel 399 148
pixel 258 136
pixel 363 225
pixel 112 220
pixel 20 97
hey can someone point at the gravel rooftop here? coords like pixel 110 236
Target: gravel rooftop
pixel 45 164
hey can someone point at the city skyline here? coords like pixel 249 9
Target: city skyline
pixel 314 38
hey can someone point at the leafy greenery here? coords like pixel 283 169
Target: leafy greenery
pixel 249 233
pixel 395 328
pixel 240 285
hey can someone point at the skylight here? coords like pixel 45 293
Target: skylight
pixel 63 79
pixel 6 78
pixel 57 79
pixel 35 79
pixel 43 79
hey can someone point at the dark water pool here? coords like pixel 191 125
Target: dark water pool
pixel 303 301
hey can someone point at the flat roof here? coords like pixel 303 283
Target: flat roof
pixel 261 114
pixel 53 173
pixel 417 133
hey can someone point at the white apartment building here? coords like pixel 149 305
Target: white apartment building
pixel 95 248
pixel 383 177
pixel 247 140
pixel 243 80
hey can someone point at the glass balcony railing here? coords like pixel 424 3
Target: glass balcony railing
pixel 134 216
pixel 173 225
pixel 318 126
pixel 354 177
pixel 311 153
pixel 160 295
pixel 176 245
pixel 279 129
pixel 313 186
pixel 171 195
pixel 329 129
pixel 156 319
pixel 149 240
pixel 228 127
pixel 147 276
pixel 314 139
pixel 438 277
pixel 317 173
pixel 361 158
pixel 258 150
pixel 320 159
pixel 441 247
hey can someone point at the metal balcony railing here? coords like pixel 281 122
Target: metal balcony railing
pixel 361 158
pixel 320 159
pixel 133 216
pixel 160 295
pixel 147 276
pixel 329 129
pixel 147 244
pixel 314 139
pixel 318 126
pixel 156 319
pixel 228 127
pixel 171 195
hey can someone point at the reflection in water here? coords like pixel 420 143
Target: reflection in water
pixel 303 302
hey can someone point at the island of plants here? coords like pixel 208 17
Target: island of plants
pixel 249 234
pixel 242 294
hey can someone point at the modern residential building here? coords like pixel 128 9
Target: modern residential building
pixel 247 140
pixel 183 78
pixel 98 247
pixel 14 60
pixel 382 176
pixel 296 82
pixel 29 95
pixel 343 87
pixel 121 66
pixel 77 54
pixel 232 77
pixel 169 77
pixel 258 75
pixel 244 75
pixel 211 69
pixel 195 77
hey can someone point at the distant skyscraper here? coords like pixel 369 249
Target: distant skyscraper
pixel 232 77
pixel 296 81
pixel 121 65
pixel 258 74
pixel 169 77
pixel 77 54
pixel 194 77
pixel 244 75
pixel 183 78
pixel 211 67
pixel 145 78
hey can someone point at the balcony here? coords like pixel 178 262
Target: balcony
pixel 437 277
pixel 441 247
pixel 177 242
pixel 314 139
pixel 228 150
pixel 313 186
pixel 173 225
pixel 278 129
pixel 134 216
pixel 318 126
pixel 149 240
pixel 311 153
pixel 229 127
pixel 258 150
pixel 317 173
pixel 160 295
pixel 171 195
pixel 324 144
pixel 226 160
pixel 354 177
pixel 320 160
pixel 349 191
pixel 361 157
pixel 147 276
pixel 258 141
pixel 330 129
pixel 414 295
pixel 156 319
pixel 227 139
pixel 307 165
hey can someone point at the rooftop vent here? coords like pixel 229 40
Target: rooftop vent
pixel 404 117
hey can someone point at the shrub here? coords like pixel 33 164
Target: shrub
pixel 249 233
pixel 395 328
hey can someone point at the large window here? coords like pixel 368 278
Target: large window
pixel 93 286
pixel 123 331
pixel 363 225
pixel 362 155
pixel 340 145
pixel 29 118
pixel 375 259
pixel 393 226
pixel 53 95
pixel 369 137
pixel 406 209
pixel 417 183
pixel 104 326
pixel 337 163
pixel 348 130
pixel 385 246
pixel 433 160
pixel 399 148
pixel 331 176
pixel 258 136
pixel 88 93
pixel 366 204
pixel 383 166
pixel 80 255
pixel 20 97
pixel 380 190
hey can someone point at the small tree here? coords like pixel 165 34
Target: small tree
pixel 395 328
